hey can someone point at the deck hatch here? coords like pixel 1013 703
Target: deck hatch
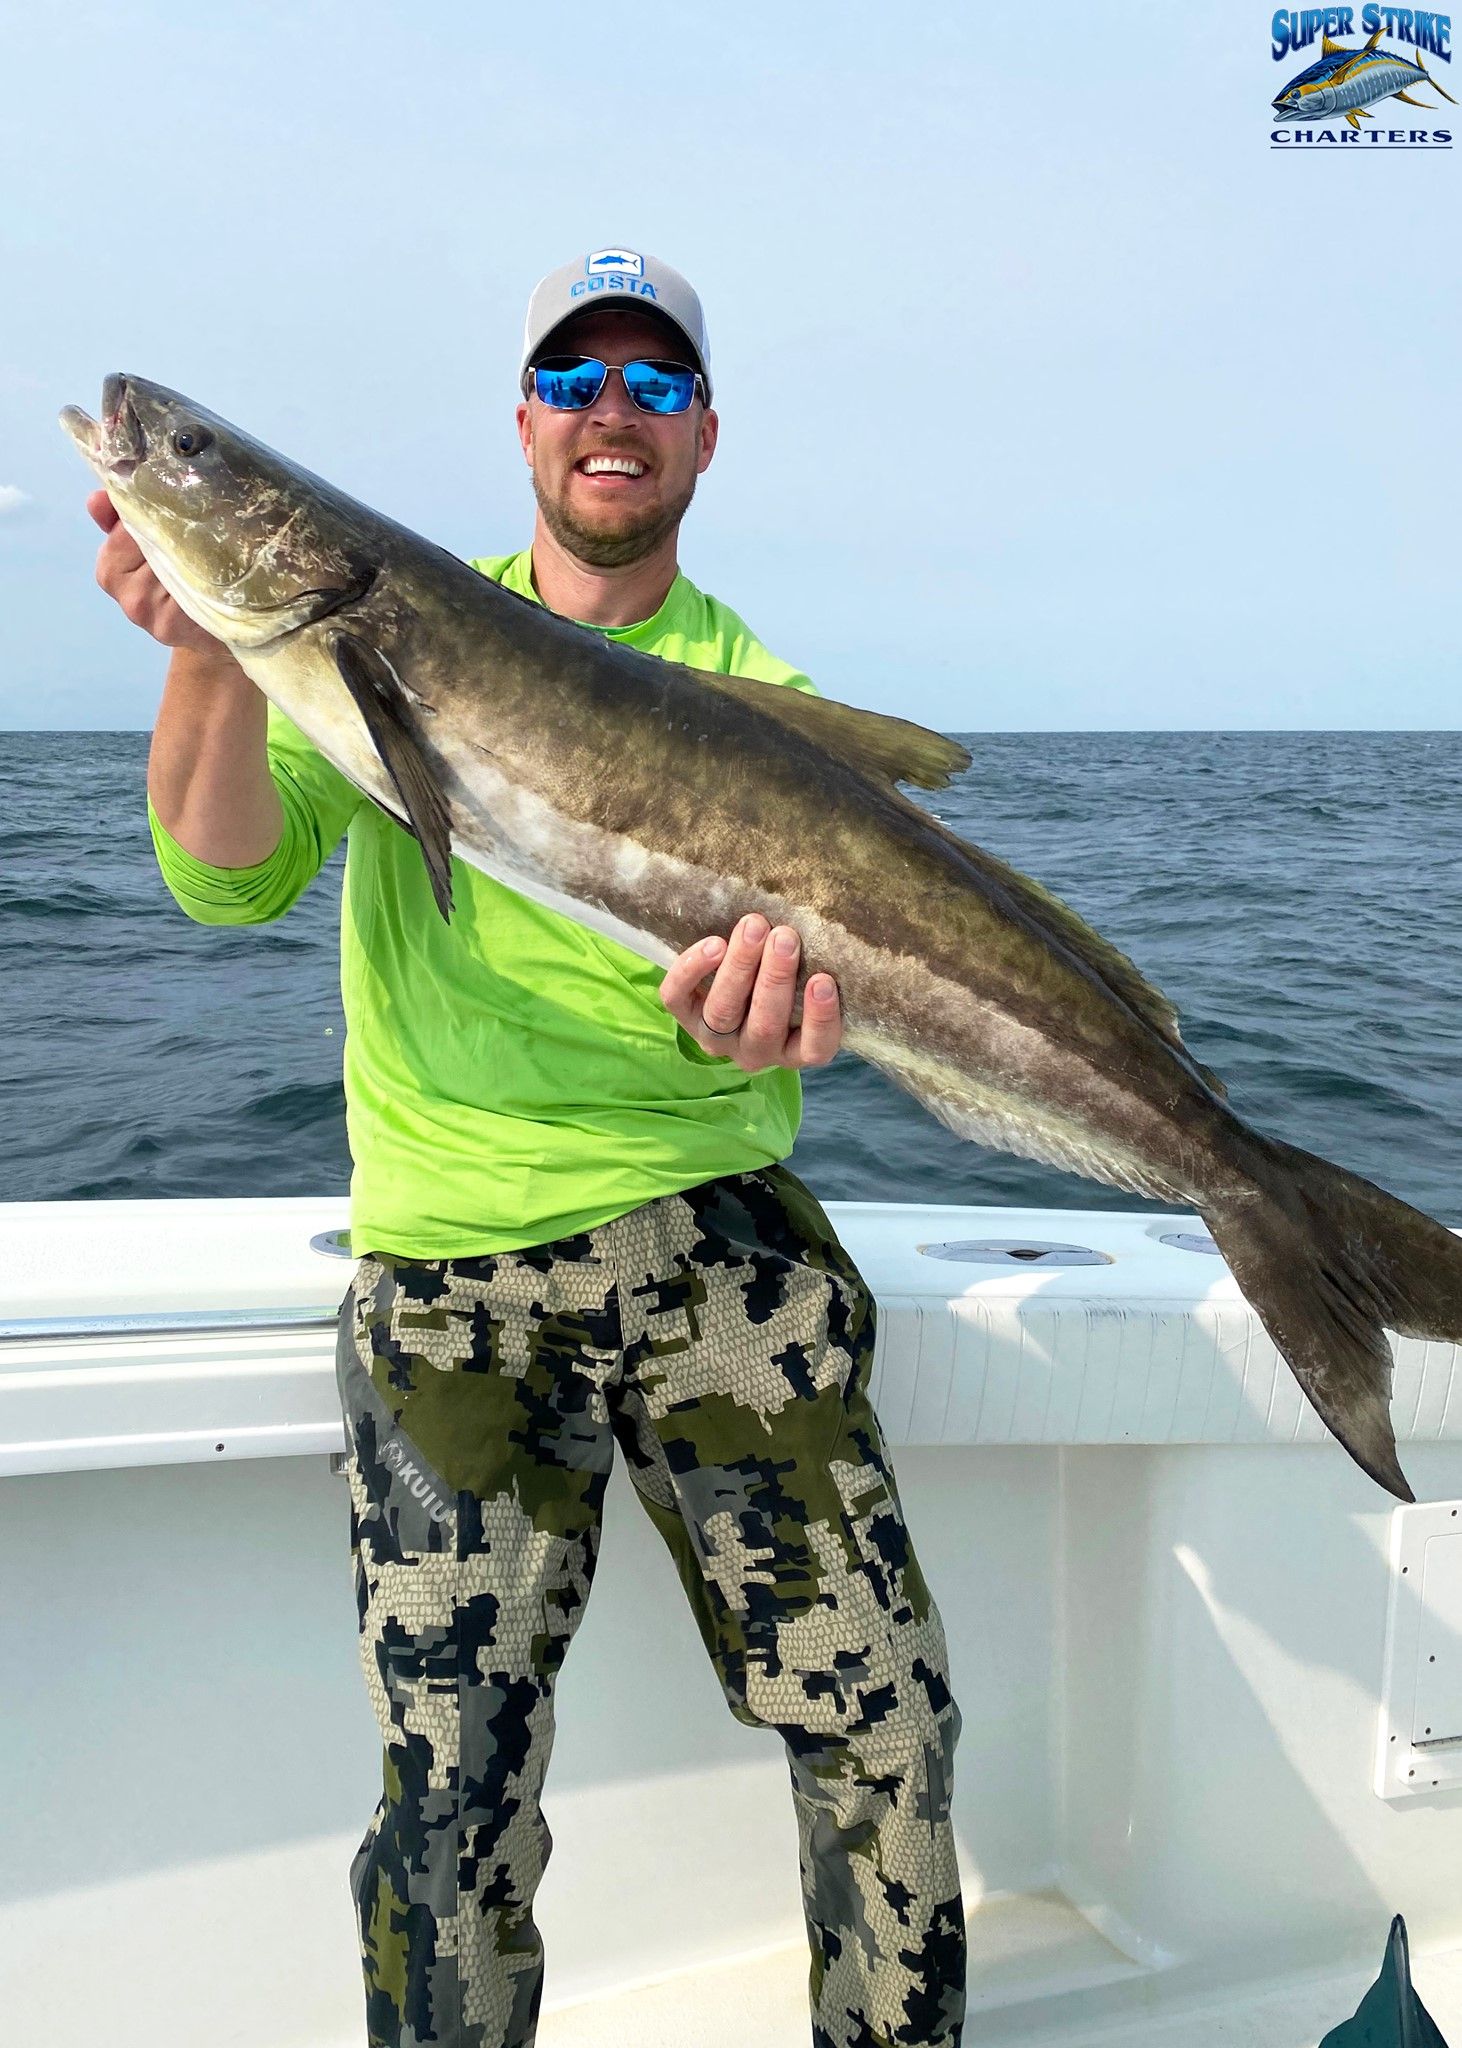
pixel 1013 1251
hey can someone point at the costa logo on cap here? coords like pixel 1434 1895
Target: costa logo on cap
pixel 614 263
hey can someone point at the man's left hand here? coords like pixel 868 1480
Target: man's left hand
pixel 745 1014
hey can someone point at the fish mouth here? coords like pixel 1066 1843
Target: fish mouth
pixel 116 443
pixel 83 430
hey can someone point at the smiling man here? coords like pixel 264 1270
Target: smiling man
pixel 573 1229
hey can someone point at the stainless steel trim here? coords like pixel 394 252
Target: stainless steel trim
pixel 168 1323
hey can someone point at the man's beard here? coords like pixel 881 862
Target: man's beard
pixel 610 550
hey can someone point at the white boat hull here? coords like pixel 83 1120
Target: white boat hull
pixel 1168 1599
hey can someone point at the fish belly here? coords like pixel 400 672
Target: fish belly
pixel 1061 1124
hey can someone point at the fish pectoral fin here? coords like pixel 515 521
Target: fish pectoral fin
pixel 891 748
pixel 1425 105
pixel 385 705
pixel 1344 71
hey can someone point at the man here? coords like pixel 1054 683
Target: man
pixel 572 1229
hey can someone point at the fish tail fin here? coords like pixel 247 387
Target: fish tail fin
pixel 1438 88
pixel 1329 1263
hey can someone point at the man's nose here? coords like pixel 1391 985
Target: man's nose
pixel 614 404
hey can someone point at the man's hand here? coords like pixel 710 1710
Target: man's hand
pixel 746 1013
pixel 208 769
pixel 123 574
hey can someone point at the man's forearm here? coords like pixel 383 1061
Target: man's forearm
pixel 208 771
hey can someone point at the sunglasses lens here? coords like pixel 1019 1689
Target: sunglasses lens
pixel 569 383
pixel 660 387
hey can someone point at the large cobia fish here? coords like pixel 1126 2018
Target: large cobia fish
pixel 655 803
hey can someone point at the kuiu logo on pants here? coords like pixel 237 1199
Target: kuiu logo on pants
pixel 394 1454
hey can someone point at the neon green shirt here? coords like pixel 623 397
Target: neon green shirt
pixel 510 1077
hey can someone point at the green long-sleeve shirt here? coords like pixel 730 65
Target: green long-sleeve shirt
pixel 510 1077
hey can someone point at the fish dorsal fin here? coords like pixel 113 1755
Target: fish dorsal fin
pixel 893 750
pixel 890 748
pixel 1356 60
pixel 1331 49
pixel 1072 932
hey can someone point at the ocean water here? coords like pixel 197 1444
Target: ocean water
pixel 1298 896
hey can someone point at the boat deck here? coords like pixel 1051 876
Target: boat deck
pixel 1028 1973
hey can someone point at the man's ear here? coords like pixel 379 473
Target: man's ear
pixel 524 418
pixel 710 429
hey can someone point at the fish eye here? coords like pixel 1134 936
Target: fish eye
pixel 192 440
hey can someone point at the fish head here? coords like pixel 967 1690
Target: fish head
pixel 250 545
pixel 1305 103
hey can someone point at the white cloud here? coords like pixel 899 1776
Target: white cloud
pixel 12 500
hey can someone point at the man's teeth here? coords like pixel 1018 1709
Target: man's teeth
pixel 611 465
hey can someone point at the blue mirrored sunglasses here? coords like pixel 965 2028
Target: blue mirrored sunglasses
pixel 569 383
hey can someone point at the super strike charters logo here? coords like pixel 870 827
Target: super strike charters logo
pixel 1328 100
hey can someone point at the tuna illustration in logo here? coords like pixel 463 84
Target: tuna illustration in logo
pixel 1346 82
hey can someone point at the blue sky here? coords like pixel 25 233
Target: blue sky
pixel 1051 396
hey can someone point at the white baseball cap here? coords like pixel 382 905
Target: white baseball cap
pixel 615 277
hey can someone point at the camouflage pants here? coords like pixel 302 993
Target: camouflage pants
pixel 723 1338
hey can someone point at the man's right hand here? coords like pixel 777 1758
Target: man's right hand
pixel 208 770
pixel 122 572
